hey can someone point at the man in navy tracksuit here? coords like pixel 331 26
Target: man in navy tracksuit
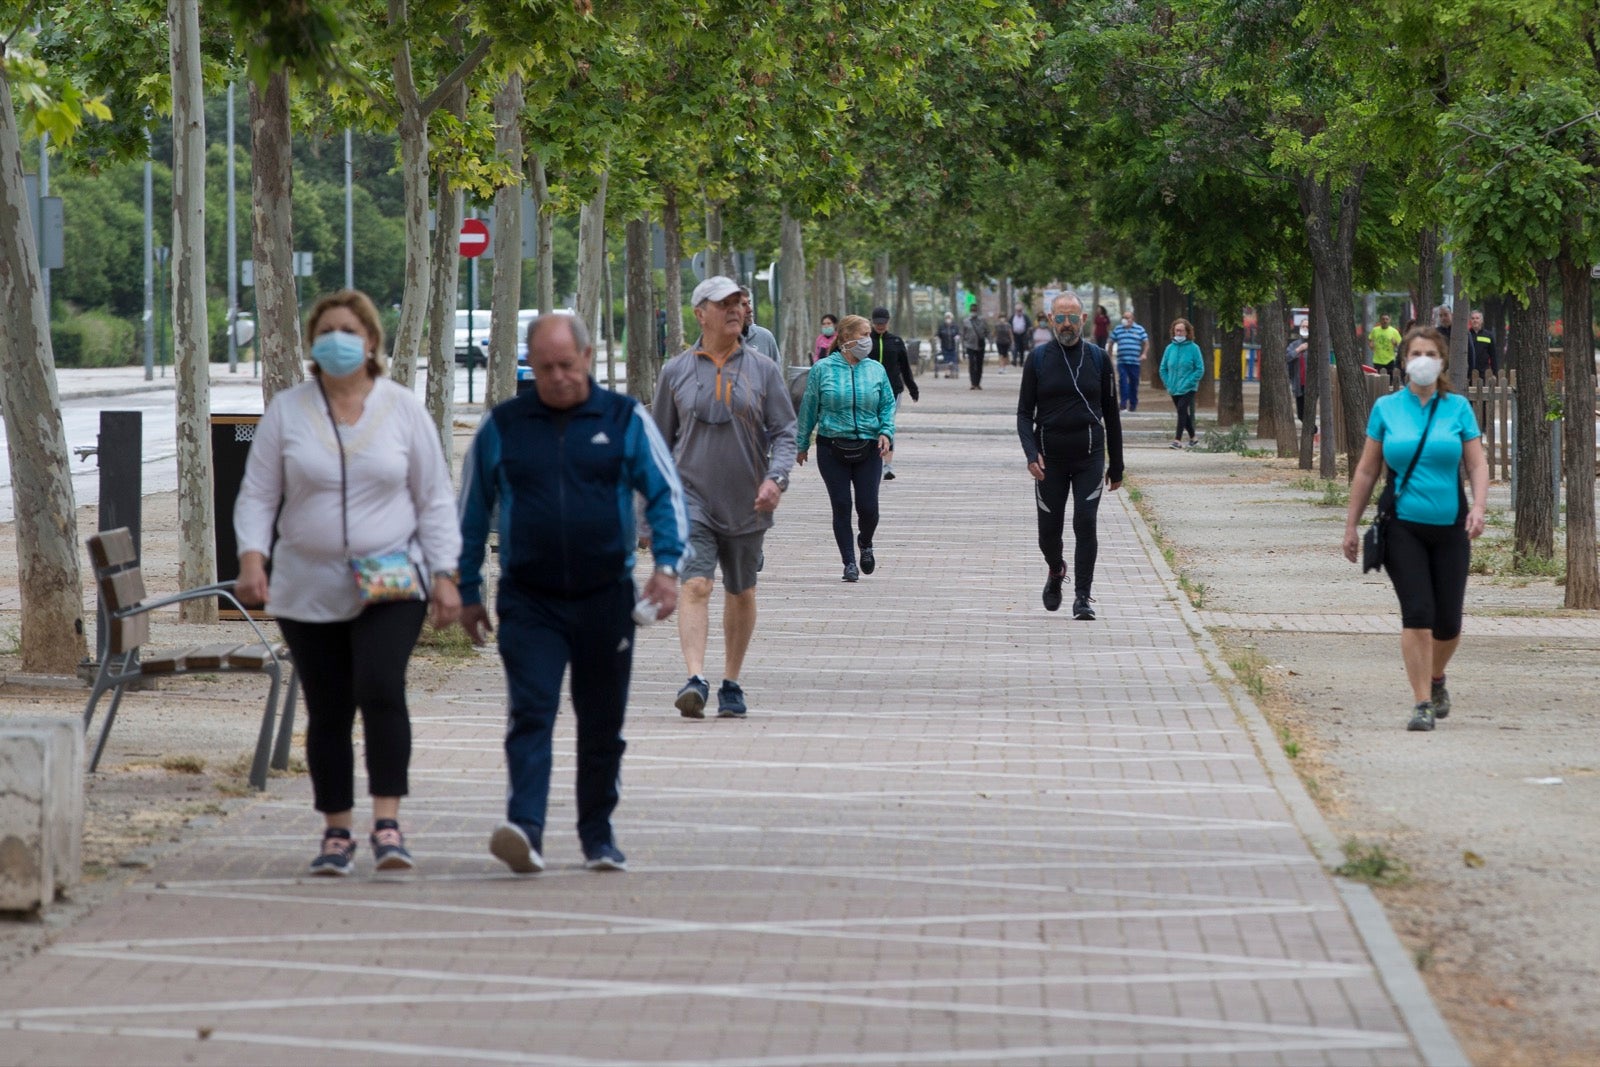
pixel 561 465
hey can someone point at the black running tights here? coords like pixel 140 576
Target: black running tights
pixel 1082 479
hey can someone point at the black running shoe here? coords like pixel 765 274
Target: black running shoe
pixel 869 562
pixel 1422 718
pixel 1081 609
pixel 730 701
pixel 1052 591
pixel 852 573
pixel 1440 700
pixel 691 699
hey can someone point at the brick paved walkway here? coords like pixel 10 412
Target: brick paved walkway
pixel 954 830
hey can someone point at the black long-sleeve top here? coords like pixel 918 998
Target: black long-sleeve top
pixel 1068 405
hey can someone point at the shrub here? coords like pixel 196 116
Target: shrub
pixel 95 339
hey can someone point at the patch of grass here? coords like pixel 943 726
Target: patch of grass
pixel 1423 956
pixel 11 641
pixel 1135 494
pixel 450 643
pixel 184 764
pixel 1195 591
pixel 1249 666
pixel 1235 438
pixel 1372 864
pixel 207 808
pixel 1291 747
pixel 1497 557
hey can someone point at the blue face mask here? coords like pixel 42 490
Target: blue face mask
pixel 339 352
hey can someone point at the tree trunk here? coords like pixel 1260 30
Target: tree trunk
pixel 1577 343
pixel 1427 281
pixel 880 280
pixel 672 242
pixel 1205 335
pixel 444 287
pixel 545 231
pixel 1535 534
pixel 904 316
pixel 1331 242
pixel 1230 386
pixel 591 258
pixel 197 526
pixel 1459 313
pixel 1171 304
pixel 272 234
pixel 501 379
pixel 1310 387
pixel 1277 398
pixel 639 301
pixel 794 317
pixel 714 239
pixel 1321 345
pixel 41 481
pixel 413 136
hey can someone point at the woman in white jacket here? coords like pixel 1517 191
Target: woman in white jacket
pixel 354 462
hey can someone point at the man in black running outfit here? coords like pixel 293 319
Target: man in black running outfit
pixel 1068 422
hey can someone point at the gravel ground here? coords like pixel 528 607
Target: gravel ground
pixel 1504 863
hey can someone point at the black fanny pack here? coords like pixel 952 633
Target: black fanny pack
pixel 848 450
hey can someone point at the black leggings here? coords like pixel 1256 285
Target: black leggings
pixel 1082 479
pixel 1185 405
pixel 345 665
pixel 975 365
pixel 1427 565
pixel 865 475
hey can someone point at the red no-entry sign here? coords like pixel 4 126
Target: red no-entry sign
pixel 474 238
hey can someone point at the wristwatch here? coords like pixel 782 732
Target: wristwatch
pixel 668 569
pixel 782 482
pixel 453 574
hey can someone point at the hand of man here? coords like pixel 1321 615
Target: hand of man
pixel 662 591
pixel 444 603
pixel 916 395
pixel 1113 485
pixel 1036 468
pixel 475 620
pixel 768 495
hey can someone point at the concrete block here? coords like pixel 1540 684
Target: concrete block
pixel 64 815
pixel 27 876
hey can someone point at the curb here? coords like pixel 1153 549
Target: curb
pixel 1407 991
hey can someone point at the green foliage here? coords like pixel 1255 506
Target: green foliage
pixel 95 339
pixel 1372 863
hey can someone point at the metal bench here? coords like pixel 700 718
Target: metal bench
pixel 127 613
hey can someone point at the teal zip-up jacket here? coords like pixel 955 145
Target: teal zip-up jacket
pixel 854 403
pixel 1181 367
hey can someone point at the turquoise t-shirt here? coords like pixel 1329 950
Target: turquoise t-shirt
pixel 1433 495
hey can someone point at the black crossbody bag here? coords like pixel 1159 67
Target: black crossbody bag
pixel 1372 542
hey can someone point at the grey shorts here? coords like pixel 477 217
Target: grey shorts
pixel 740 556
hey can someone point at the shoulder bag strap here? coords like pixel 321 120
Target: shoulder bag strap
pixel 344 502
pixel 1433 409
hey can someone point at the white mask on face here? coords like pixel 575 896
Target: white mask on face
pixel 1424 370
pixel 859 348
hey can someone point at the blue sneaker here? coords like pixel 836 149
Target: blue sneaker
pixel 730 701
pixel 605 857
pixel 691 702
pixel 512 845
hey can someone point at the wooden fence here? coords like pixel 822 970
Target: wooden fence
pixel 1494 402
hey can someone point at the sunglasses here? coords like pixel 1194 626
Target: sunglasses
pixel 1074 319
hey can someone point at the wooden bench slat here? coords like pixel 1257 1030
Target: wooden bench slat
pixel 208 657
pixel 250 657
pixel 122 590
pixel 112 548
pixel 165 662
pixel 128 634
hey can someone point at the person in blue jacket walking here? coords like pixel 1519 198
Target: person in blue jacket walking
pixel 560 465
pixel 1181 368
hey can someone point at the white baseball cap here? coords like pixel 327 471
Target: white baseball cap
pixel 716 288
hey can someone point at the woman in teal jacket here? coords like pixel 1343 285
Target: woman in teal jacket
pixel 850 406
pixel 1181 368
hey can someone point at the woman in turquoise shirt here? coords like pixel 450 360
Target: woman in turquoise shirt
pixel 1427 546
pixel 849 403
pixel 1181 368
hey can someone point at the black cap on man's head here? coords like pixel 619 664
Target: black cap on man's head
pixel 880 314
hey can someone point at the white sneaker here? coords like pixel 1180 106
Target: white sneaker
pixel 510 845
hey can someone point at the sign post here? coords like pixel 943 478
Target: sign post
pixel 473 242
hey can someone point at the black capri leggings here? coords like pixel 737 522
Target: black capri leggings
pixel 1185 406
pixel 1428 567
pixel 345 665
pixel 864 475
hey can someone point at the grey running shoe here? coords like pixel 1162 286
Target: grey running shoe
pixel 1441 700
pixel 389 852
pixel 852 573
pixel 1422 718
pixel 511 845
pixel 691 702
pixel 730 701
pixel 337 856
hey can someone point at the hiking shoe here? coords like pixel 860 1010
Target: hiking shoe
pixel 852 573
pixel 1441 700
pixel 869 562
pixel 337 855
pixel 605 857
pixel 389 852
pixel 888 474
pixel 730 701
pixel 511 845
pixel 1052 591
pixel 1422 718
pixel 1081 609
pixel 691 702
pixel 1176 444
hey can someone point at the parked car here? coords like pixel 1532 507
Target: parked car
pixel 472 337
